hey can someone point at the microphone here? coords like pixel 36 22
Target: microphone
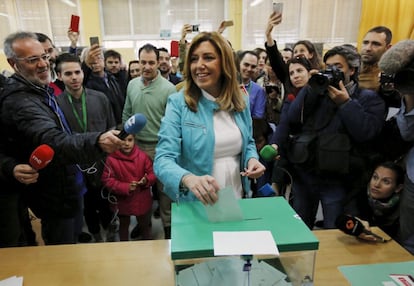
pixel 397 57
pixel 353 226
pixel 133 125
pixel 41 157
pixel 268 153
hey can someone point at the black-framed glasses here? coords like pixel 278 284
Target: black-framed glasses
pixel 35 59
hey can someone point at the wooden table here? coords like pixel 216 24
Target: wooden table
pixel 104 264
pixel 337 248
pixel 148 262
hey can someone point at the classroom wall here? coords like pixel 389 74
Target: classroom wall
pixel 396 14
pixel 90 25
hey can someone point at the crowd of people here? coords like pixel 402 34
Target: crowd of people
pixel 332 120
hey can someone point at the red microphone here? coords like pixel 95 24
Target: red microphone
pixel 41 156
pixel 290 97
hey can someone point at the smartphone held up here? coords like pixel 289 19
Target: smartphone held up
pixel 74 23
pixel 277 7
pixel 93 41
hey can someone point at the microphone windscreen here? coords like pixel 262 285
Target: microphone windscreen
pixel 268 153
pixel 135 123
pixel 397 57
pixel 349 224
pixel 41 156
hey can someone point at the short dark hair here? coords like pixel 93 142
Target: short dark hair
pixel 352 58
pixel 66 58
pixel 244 53
pixel 162 49
pixel 43 38
pixel 113 54
pixel 149 48
pixel 382 29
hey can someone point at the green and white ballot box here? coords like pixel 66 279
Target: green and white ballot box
pixel 200 240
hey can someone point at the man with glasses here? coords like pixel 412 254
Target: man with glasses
pixel 30 117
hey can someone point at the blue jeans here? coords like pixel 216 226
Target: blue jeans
pixel 309 190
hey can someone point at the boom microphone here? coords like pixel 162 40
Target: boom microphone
pixel 133 125
pixel 397 57
pixel 41 156
pixel 353 226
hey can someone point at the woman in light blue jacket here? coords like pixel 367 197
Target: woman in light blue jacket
pixel 205 139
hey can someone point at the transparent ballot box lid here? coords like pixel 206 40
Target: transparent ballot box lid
pixel 193 246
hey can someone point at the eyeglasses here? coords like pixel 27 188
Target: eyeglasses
pixel 34 60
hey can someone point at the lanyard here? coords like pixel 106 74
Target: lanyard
pixel 82 123
pixel 248 87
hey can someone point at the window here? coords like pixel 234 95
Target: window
pixel 142 20
pixel 50 17
pixel 330 22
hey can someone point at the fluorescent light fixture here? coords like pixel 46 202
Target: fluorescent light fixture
pixel 69 3
pixel 4 15
pixel 255 3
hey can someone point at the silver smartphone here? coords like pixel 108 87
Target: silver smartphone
pixel 277 7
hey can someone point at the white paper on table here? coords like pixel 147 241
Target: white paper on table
pixel 227 207
pixel 12 281
pixel 244 243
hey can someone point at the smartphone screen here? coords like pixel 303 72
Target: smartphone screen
pixel 195 28
pixel 94 40
pixel 277 7
pixel 74 23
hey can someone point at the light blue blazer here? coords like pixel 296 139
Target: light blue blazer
pixel 186 143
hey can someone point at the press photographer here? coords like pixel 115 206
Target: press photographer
pixel 331 134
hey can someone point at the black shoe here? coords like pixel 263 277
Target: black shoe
pixel 157 213
pixel 135 232
pixel 84 237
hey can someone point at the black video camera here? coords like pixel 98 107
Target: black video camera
pixel 386 78
pixel 330 76
pixel 270 88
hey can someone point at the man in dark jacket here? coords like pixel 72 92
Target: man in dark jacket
pixel 97 78
pixel 337 112
pixel 86 110
pixel 29 117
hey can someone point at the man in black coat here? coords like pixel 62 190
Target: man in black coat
pixel 30 117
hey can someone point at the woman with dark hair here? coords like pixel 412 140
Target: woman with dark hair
pixel 299 74
pixel 382 206
pixel 208 119
pixel 308 50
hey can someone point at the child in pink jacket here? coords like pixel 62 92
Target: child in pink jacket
pixel 128 175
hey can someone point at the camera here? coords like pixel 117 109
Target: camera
pixel 195 28
pixel 386 78
pixel 270 88
pixel 330 76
